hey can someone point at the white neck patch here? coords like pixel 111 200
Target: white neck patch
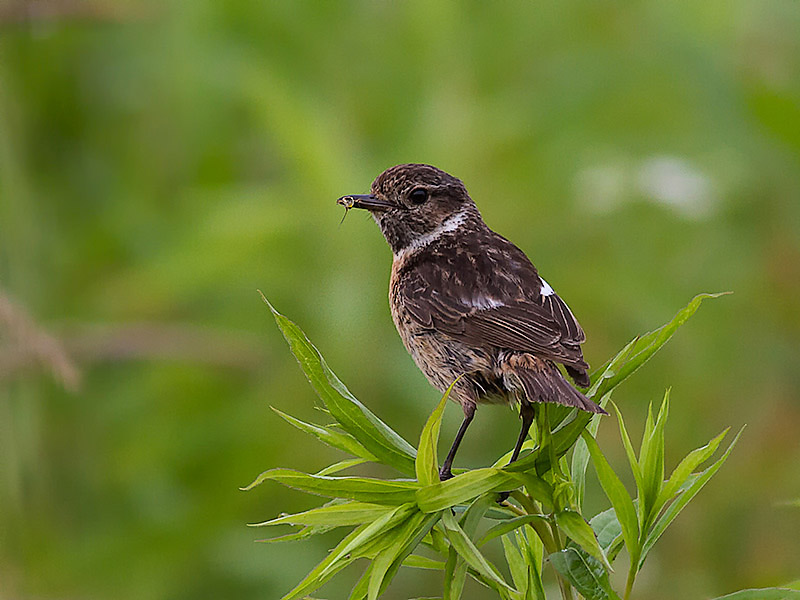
pixel 452 223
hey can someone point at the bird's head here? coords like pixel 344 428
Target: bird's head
pixel 412 201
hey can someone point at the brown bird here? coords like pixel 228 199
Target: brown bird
pixel 467 302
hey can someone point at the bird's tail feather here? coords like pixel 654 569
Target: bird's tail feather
pixel 548 385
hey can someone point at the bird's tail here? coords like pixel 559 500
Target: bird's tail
pixel 543 382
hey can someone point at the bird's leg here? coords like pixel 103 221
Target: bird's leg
pixel 445 472
pixel 527 413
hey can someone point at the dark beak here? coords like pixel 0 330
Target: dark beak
pixel 365 201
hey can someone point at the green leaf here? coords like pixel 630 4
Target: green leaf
pixel 427 462
pixel 683 499
pixel 533 550
pixel 360 589
pixel 509 526
pixel 608 531
pixel 763 594
pixel 585 573
pixel 580 456
pixel 516 564
pixel 617 494
pixel 633 461
pixel 388 561
pixel 340 466
pixel 326 569
pixel 687 466
pixel 415 561
pixel 580 532
pixel 464 487
pixel 642 348
pixel 331 437
pixel 335 515
pixel 469 552
pixel 469 523
pixel 651 461
pixel 363 489
pixel 379 527
pixel 453 585
pixel 561 440
pixel 304 533
pixel 355 418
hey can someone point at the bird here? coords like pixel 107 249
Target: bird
pixel 469 305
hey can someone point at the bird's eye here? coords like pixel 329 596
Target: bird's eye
pixel 418 196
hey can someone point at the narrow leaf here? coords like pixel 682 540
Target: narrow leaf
pixel 379 527
pixel 469 552
pixel 617 494
pixel 469 523
pixel 464 487
pixel 763 594
pixel 416 561
pixel 579 531
pixel 330 565
pixel 685 468
pixel 389 560
pixel 336 515
pixel 331 437
pixel 427 462
pixel 580 456
pixel 355 418
pixel 533 550
pixel 644 347
pixel 608 531
pixel 682 500
pixel 633 460
pixel 340 466
pixel 585 573
pixel 363 489
pixel 508 526
pixel 516 564
pixel 652 465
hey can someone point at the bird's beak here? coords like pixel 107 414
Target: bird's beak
pixel 365 201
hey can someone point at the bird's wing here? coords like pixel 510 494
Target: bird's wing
pixel 493 301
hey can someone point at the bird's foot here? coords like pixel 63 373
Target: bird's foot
pixel 445 473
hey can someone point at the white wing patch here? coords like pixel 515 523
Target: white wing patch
pixel 546 289
pixel 484 302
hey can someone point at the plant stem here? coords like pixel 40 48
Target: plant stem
pixel 629 583
pixel 563 585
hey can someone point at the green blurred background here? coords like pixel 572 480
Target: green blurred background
pixel 160 162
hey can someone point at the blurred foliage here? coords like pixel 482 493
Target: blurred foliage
pixel 159 162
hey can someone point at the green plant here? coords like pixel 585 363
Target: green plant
pixel 541 523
